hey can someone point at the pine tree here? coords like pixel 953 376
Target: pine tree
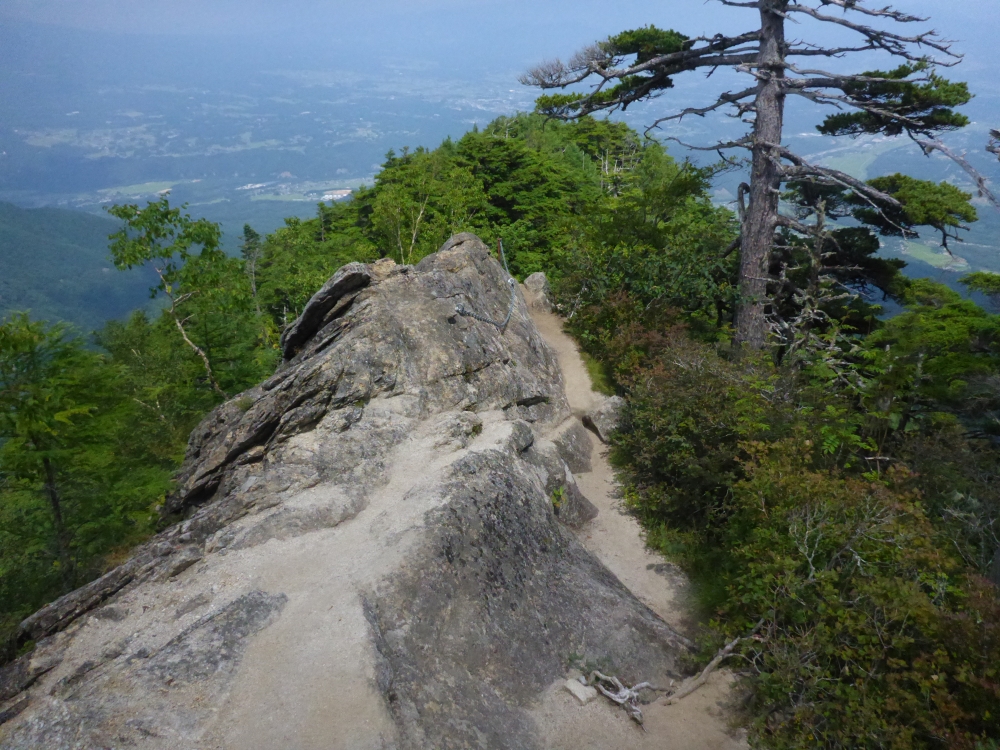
pixel 912 99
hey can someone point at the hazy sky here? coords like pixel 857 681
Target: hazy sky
pixel 539 25
pixel 60 56
pixel 102 93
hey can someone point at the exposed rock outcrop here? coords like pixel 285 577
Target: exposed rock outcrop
pixel 604 418
pixel 537 292
pixel 374 549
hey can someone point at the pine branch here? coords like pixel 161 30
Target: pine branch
pixel 595 60
pixel 982 184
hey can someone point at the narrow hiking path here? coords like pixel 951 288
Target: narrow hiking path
pixel 699 722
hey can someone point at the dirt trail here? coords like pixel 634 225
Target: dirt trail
pixel 699 722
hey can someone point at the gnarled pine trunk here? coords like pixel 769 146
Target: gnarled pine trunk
pixel 762 213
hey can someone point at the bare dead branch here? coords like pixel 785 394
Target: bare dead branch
pixel 982 184
pixel 894 44
pixel 994 145
pixel 719 50
pixel 172 312
pixel 689 686
pixel 626 697
pixel 723 100
pixel 746 143
pixel 838 79
pixel 803 169
pixel 887 12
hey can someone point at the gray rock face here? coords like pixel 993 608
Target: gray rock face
pixel 368 555
pixel 537 292
pixel 604 419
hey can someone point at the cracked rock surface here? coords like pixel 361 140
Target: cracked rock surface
pixel 374 548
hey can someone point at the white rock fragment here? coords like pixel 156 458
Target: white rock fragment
pixel 583 693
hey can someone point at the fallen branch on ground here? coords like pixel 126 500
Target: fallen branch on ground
pixel 626 697
pixel 690 685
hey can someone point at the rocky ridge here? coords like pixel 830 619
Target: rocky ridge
pixel 376 548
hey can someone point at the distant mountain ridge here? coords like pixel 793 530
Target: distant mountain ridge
pixel 54 263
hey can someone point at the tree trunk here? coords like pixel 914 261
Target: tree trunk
pixel 62 535
pixel 765 180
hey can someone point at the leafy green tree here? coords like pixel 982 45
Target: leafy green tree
pixel 942 207
pixel 984 282
pixel 640 64
pixel 540 187
pixel 77 478
pixel 43 395
pixel 826 271
pixel 298 258
pixel 165 237
pixel 421 199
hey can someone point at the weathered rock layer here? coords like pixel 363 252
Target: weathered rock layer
pixel 374 553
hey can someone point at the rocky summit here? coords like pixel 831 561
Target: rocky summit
pixel 372 549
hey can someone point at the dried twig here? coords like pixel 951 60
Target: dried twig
pixel 690 685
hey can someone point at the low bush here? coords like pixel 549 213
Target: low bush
pixel 872 626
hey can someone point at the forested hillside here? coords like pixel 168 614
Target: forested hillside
pixel 90 437
pixel 835 496
pixel 54 263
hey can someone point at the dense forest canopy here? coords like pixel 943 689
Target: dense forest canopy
pixel 837 495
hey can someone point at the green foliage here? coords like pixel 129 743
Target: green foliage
pixel 941 206
pixel 659 249
pixel 210 296
pixel 420 200
pixel 850 511
pixel 298 259
pixel 689 413
pixel 75 482
pixel 540 185
pixel 895 105
pixel 983 281
pixel 951 340
pixel 598 377
pixel 825 272
pixel 645 43
pixel 850 254
pixel 873 637
pixel 161 233
pixel 558 497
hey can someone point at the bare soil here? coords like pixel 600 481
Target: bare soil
pixel 702 721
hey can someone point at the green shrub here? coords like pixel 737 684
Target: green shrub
pixel 873 636
pixel 875 629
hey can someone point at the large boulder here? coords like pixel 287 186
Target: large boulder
pixel 537 292
pixel 605 418
pixel 371 548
